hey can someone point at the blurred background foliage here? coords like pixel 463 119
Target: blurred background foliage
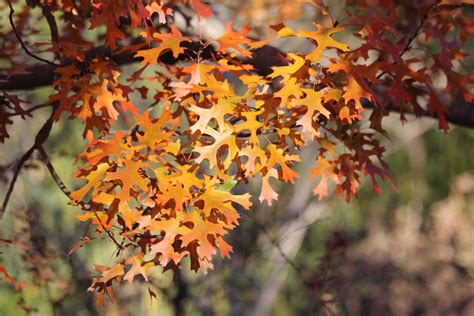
pixel 408 251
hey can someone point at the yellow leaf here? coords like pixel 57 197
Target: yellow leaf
pixel 217 112
pixel 323 40
pixel 210 152
pixel 298 63
pixel 169 41
pixel 94 181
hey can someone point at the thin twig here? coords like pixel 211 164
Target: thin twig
pixel 54 174
pixel 25 48
pixel 39 140
pixel 409 42
pixel 292 263
pixel 414 35
pixel 30 110
pixel 67 192
pixel 53 26
pixel 18 168
pixel 111 236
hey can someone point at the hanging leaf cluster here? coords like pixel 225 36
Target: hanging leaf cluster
pixel 169 141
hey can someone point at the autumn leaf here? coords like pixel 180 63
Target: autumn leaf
pixel 201 9
pixel 169 42
pixel 313 103
pixel 7 277
pixel 217 112
pixel 279 158
pixel 325 170
pixel 210 152
pixel 323 39
pixel 199 233
pixel 94 179
pixel 171 228
pixel 129 175
pixel 290 70
pixel 159 9
pixel 138 268
pixel 79 244
pixel 234 41
pixel 268 194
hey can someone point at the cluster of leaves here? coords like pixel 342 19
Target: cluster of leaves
pixel 162 178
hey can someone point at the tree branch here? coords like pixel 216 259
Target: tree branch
pixel 54 174
pixel 459 111
pixel 31 110
pixel 40 138
pixel 16 173
pixel 67 192
pixel 23 45
pixel 41 75
pixel 53 26
pixel 37 76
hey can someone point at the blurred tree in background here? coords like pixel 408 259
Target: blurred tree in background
pixel 408 251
